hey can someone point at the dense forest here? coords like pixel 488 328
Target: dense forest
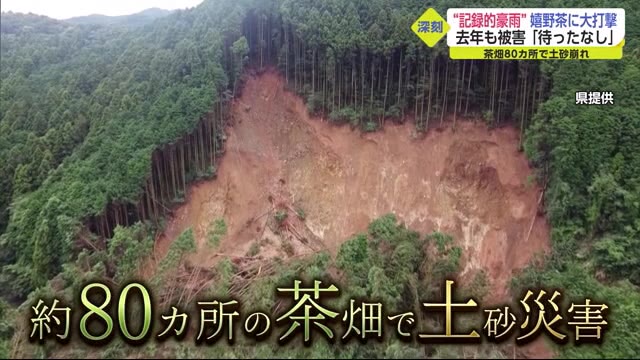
pixel 102 129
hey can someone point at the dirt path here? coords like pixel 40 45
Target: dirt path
pixel 471 183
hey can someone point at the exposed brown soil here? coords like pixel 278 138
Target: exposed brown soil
pixel 471 183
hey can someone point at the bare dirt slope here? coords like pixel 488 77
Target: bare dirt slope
pixel 471 183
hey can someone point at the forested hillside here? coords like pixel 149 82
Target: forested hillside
pixel 103 126
pixel 113 99
pixel 138 19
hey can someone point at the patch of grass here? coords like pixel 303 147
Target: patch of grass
pixel 281 216
pixel 217 230
pixel 531 180
pixel 488 117
pixel 301 214
pixel 370 126
pixel 287 247
pixel 254 249
pixel 479 287
pixel 345 115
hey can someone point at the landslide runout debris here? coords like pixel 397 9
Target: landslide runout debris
pixel 472 183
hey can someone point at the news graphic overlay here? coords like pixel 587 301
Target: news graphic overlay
pixel 526 34
pixel 102 313
pixel 536 34
pixel 430 27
